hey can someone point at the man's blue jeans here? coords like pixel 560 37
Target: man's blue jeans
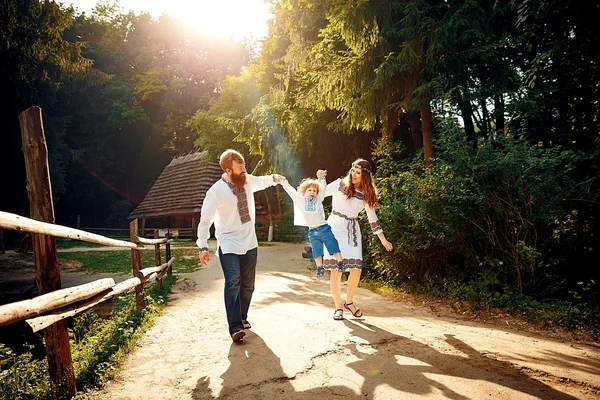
pixel 239 272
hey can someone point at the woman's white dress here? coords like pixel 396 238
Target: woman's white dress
pixel 345 226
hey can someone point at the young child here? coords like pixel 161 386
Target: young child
pixel 308 211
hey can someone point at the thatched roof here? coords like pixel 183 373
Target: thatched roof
pixel 180 188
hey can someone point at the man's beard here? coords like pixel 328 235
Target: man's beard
pixel 239 180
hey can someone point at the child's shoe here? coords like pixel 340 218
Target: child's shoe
pixel 341 266
pixel 320 271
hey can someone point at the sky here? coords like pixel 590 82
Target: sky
pixel 234 18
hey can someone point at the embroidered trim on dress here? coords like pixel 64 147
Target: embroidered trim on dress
pixel 242 201
pixel 375 226
pixel 350 226
pixel 349 263
pixel 356 195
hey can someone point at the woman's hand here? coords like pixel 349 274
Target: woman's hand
pixel 388 246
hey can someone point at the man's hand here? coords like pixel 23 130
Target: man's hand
pixel 321 173
pixel 204 257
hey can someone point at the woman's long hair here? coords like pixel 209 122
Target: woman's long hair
pixel 368 186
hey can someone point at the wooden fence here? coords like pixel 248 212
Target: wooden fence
pixel 183 233
pixel 54 304
pixel 297 234
pixel 44 310
pixel 47 309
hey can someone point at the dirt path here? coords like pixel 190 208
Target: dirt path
pixel 295 349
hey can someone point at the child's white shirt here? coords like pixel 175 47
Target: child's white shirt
pixel 302 217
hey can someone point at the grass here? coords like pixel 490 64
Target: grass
pixel 98 348
pixel 63 243
pixel 119 261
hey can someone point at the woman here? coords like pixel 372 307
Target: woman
pixel 350 195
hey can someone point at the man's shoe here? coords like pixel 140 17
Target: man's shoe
pixel 238 336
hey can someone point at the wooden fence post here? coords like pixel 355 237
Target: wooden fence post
pixel 136 259
pixel 47 272
pixel 168 253
pixel 157 258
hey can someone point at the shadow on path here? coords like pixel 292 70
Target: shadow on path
pixel 378 364
pixel 255 372
pixel 416 363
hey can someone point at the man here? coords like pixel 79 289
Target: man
pixel 229 204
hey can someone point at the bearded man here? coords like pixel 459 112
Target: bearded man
pixel 229 204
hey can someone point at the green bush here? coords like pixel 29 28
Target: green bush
pixel 487 207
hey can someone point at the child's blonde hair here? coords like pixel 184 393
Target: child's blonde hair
pixel 306 183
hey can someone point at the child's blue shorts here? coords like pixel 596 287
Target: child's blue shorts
pixel 322 235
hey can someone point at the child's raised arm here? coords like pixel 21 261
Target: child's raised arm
pixel 321 174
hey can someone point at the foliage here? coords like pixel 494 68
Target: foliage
pixel 98 347
pixel 38 67
pixel 487 208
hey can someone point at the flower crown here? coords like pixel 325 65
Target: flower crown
pixel 358 166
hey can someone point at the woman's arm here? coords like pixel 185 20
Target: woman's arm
pixel 376 227
pixel 332 187
pixel 388 246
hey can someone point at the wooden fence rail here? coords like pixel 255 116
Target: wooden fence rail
pixel 42 322
pixel 18 223
pixel 47 309
pixel 54 304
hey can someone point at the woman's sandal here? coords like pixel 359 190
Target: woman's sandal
pixel 338 314
pixel 357 313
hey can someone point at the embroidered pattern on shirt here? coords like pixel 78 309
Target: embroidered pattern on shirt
pixel 349 263
pixel 310 204
pixel 242 201
pixel 356 195
pixel 375 226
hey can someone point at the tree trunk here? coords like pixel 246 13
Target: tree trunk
pixel 47 273
pixel 278 190
pixel 466 111
pixel 485 116
pixel 270 235
pixel 392 122
pixel 427 134
pixel 414 120
pixel 499 112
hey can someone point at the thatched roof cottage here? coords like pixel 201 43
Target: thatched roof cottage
pixel 175 199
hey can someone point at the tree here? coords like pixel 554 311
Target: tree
pixel 38 67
